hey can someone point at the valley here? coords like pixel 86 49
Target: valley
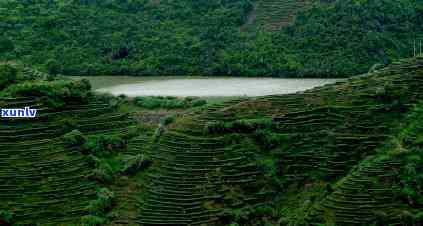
pixel 211 113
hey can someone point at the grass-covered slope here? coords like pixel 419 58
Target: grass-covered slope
pixel 308 158
pixel 146 37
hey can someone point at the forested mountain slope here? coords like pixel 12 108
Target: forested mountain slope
pixel 146 37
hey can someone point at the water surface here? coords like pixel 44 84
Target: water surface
pixel 202 86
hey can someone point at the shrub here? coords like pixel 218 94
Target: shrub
pixel 405 217
pixel 53 93
pixel 103 173
pixel 263 210
pixel 167 102
pixel 240 126
pixel 418 218
pixel 102 145
pixel 167 120
pixel 148 102
pixel 380 218
pixel 174 104
pixel 98 208
pixel 190 99
pixel 215 127
pixel 375 67
pixel 103 202
pixel 243 126
pixel 7 75
pixel 6 45
pixel 198 103
pixel 74 138
pixel 122 96
pixel 53 67
pixel 158 133
pixel 267 139
pixel 233 138
pixel 133 132
pixel 91 220
pixel 135 164
pixel 108 144
pixel 6 216
pixel 69 125
pixel 92 161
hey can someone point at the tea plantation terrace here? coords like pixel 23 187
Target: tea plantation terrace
pixel 322 137
pixel 316 155
pixel 40 179
pixel 276 14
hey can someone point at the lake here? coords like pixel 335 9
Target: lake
pixel 201 86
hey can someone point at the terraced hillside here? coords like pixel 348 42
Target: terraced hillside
pixel 341 154
pixel 276 14
pixel 193 173
pixel 42 181
pixel 386 187
pixel 244 161
pixel 372 190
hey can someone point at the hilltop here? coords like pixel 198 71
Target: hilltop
pixel 294 38
pixel 310 158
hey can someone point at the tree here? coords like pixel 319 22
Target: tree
pixel 7 75
pixel 6 45
pixel 53 67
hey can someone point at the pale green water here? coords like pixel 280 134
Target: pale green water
pixel 201 86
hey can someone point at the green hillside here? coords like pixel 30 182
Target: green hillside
pixel 311 158
pixel 146 37
pixel 273 15
pixel 45 177
pixel 344 154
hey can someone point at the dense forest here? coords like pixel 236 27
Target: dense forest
pixel 187 37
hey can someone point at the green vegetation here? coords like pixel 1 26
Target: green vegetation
pixel 54 92
pixel 391 179
pixel 134 164
pixel 312 158
pixel 168 102
pixel 332 40
pixel 49 165
pixel 273 15
pixel 98 208
pixel 57 93
pixel 6 217
pixel 145 37
pixel 7 75
pixel 315 157
pixel 74 138
pixel 409 146
pixel 128 37
pixel 349 153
